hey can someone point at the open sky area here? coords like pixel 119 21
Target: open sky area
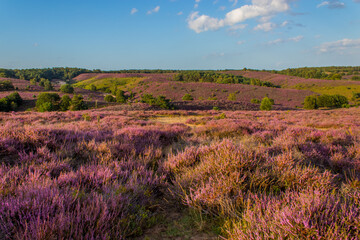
pixel 179 34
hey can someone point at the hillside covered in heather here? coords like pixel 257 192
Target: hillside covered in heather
pixel 154 154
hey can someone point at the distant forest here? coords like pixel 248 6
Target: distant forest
pixel 329 73
pixel 62 73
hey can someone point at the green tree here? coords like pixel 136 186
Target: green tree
pixel 47 102
pixel 77 103
pixel 65 103
pixel 66 88
pixel 310 102
pixel 120 96
pixel 48 86
pixel 266 104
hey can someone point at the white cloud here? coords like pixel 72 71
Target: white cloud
pixel 280 40
pixel 339 46
pixel 333 4
pixel 268 26
pixel 196 5
pixel 258 8
pixel 180 13
pixel 133 11
pixel 240 42
pixel 155 10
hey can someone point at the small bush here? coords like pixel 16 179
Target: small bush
pixel 109 98
pixel 120 96
pixel 160 101
pixel 77 103
pixel 255 101
pixel 310 102
pixel 65 103
pixel 187 97
pixel 6 85
pixel 47 102
pixel 266 104
pixel 66 88
pixel 355 78
pixel 232 97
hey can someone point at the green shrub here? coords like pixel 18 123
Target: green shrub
pixel 187 97
pixel 65 103
pixel 216 108
pixel 47 102
pixel 109 98
pixel 355 78
pixel 255 101
pixel 77 103
pixel 232 97
pixel 16 98
pixel 66 88
pixel 160 101
pixel 266 104
pixel 310 102
pixel 331 101
pixel 120 97
pixel 6 85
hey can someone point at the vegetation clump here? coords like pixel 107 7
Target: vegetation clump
pixel 47 102
pixel 160 101
pixel 325 101
pixel 187 97
pixel 109 98
pixel 6 85
pixel 67 88
pixel 10 102
pixel 266 104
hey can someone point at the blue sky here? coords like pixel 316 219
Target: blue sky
pixel 179 34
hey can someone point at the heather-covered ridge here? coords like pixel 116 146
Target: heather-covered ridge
pixel 125 174
pixel 206 95
pixel 291 81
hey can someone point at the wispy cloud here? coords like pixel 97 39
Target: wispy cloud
pixel 155 10
pixel 133 11
pixel 258 8
pixel 268 26
pixel 339 46
pixel 332 4
pixel 286 40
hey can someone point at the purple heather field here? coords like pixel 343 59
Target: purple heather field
pixel 101 174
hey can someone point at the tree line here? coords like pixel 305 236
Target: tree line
pixel 329 73
pixel 215 77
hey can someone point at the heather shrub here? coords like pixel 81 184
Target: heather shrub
pixel 312 214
